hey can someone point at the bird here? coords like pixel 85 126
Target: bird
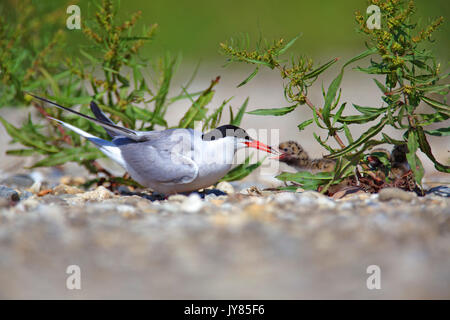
pixel 399 163
pixel 293 154
pixel 169 161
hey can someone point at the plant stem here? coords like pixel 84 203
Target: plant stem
pixel 312 107
pixel 319 114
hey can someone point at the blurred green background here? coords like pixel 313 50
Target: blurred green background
pixel 195 28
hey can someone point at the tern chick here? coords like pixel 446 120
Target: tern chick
pixel 293 154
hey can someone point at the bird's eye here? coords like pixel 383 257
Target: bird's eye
pixel 285 149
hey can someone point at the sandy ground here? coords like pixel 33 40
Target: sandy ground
pixel 244 245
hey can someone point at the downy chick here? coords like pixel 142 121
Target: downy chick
pixel 293 154
pixel 399 163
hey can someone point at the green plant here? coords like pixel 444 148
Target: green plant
pixel 111 72
pixel 26 60
pixel 410 73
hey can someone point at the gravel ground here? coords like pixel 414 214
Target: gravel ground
pixel 247 244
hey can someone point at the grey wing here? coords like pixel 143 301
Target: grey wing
pixel 158 165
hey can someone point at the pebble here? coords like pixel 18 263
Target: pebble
pixel 9 194
pixel 285 197
pixel 18 181
pixel 177 198
pixel 36 187
pixel 126 209
pixel 65 189
pixel 99 194
pixel 192 204
pixel 69 180
pixel 387 194
pixel 225 187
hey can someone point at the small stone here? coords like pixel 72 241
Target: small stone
pixel 65 189
pixel 326 203
pixel 259 212
pixel 285 197
pixel 73 181
pixel 35 188
pixel 225 187
pixel 9 194
pixel 177 198
pixel 127 211
pixel 123 190
pixel 442 191
pixel 99 194
pixel 30 203
pixel 387 194
pixel 192 204
pixel 19 181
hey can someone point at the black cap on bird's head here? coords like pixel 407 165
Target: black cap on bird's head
pixel 230 130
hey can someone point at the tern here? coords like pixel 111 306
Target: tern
pixel 168 161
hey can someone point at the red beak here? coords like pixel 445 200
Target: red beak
pixel 260 146
pixel 279 157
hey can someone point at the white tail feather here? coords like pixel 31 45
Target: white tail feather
pixel 105 146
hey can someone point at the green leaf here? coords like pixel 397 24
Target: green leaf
pixel 307 179
pixel 242 170
pixel 381 86
pixel 322 143
pixel 237 120
pixel 331 95
pixel 412 158
pixel 198 109
pixel 348 134
pixel 302 175
pixel 73 154
pixel 257 62
pixel 425 147
pixel 22 152
pixel 438 106
pixel 369 110
pixel 390 140
pixel 304 124
pixel 358 119
pixel 273 111
pixel 169 65
pixel 362 55
pixel 91 58
pixel 439 132
pixel 362 139
pixel 26 139
pixel 146 115
pixel 286 47
pixel 320 69
pixel 427 119
pixel 442 89
pixel 250 77
pixel 339 113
